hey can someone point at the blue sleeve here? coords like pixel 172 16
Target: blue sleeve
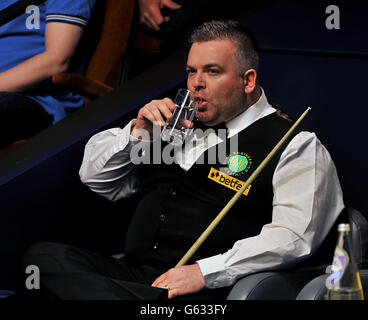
pixel 77 12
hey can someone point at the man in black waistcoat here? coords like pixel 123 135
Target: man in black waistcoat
pixel 279 221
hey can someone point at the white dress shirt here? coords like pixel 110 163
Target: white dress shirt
pixel 307 195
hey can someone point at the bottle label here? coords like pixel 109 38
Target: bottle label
pixel 340 261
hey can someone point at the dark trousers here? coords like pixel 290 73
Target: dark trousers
pixel 20 117
pixel 71 273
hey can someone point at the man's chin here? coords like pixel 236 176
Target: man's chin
pixel 205 120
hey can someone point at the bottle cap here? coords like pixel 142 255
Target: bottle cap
pixel 343 227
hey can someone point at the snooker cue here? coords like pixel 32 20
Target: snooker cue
pixel 238 194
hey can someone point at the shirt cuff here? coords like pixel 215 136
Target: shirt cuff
pixel 132 138
pixel 138 148
pixel 156 134
pixel 214 271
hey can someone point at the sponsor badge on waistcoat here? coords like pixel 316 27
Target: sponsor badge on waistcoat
pixel 237 164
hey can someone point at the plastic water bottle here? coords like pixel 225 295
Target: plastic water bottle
pixel 344 280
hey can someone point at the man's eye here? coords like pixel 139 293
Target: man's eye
pixel 190 71
pixel 213 71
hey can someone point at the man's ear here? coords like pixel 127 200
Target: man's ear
pixel 250 80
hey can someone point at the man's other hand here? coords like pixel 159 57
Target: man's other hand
pixel 181 280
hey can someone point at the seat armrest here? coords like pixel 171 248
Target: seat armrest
pixel 277 285
pixel 314 290
pixel 81 84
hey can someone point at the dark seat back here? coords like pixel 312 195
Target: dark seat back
pixel 359 236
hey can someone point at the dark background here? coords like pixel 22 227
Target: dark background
pixel 302 64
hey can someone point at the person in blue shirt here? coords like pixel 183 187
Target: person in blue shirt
pixel 34 46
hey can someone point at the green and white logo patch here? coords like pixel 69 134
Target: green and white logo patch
pixel 238 163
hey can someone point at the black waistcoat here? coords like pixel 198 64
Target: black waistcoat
pixel 177 206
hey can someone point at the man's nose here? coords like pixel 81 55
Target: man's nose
pixel 198 81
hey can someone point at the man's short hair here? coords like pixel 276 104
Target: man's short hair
pixel 246 54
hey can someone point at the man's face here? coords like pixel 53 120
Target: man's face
pixel 214 76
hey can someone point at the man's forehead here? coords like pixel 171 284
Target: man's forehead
pixel 210 52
